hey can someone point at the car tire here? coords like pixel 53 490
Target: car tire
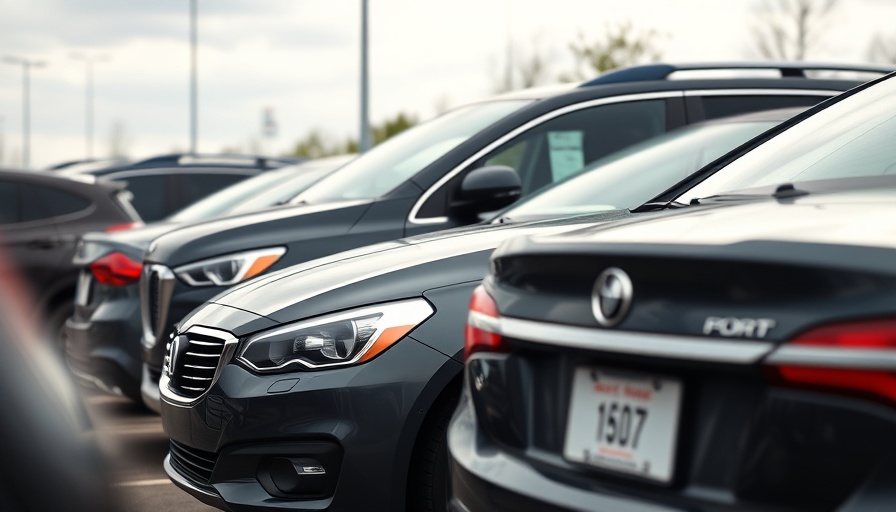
pixel 55 326
pixel 429 483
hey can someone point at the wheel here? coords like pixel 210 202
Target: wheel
pixel 428 485
pixel 55 326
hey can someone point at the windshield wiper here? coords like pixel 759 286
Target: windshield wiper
pixel 783 191
pixel 658 205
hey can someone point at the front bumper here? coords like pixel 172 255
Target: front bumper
pixel 358 423
pixel 104 351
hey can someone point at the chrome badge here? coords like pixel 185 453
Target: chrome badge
pixel 174 351
pixel 611 296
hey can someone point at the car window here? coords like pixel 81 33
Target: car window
pixel 283 192
pixel 723 106
pixel 851 138
pixel 150 195
pixel 195 186
pixel 631 177
pixel 59 202
pixel 393 162
pixel 9 202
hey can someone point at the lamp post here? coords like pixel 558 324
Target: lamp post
pixel 194 92
pixel 89 61
pixel 364 139
pixel 26 64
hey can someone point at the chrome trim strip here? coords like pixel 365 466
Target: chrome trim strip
pixel 830 357
pixel 413 219
pixel 180 480
pixel 761 92
pixel 166 288
pixel 230 343
pixel 697 348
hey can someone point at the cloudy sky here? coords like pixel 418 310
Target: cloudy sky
pixel 300 58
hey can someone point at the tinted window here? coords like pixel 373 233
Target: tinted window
pixel 196 186
pixel 150 196
pixel 851 138
pixel 723 106
pixel 9 202
pixel 58 202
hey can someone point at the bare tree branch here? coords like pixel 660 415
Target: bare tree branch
pixel 620 46
pixel 788 29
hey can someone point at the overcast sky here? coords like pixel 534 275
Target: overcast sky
pixel 301 58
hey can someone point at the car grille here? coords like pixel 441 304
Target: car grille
pixel 197 465
pixel 192 368
pixel 153 300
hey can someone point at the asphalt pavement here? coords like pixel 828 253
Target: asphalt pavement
pixel 134 445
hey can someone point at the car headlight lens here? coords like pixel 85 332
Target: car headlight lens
pixel 340 339
pixel 231 269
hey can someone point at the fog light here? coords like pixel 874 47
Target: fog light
pixel 304 477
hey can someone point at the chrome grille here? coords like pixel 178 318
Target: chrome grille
pixel 191 362
pixel 156 288
pixel 197 465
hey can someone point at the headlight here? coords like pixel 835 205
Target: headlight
pixel 231 269
pixel 340 339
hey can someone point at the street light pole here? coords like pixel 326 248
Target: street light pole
pixel 194 92
pixel 364 142
pixel 26 103
pixel 89 61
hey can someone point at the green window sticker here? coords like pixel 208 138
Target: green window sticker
pixel 566 153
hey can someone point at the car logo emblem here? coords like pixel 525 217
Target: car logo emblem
pixel 611 296
pixel 175 351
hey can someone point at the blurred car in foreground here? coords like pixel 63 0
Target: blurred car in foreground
pixel 445 173
pixel 404 385
pixel 719 358
pixel 48 462
pixel 102 336
pixel 41 217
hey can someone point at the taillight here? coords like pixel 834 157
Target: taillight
pixel 857 358
pixel 121 227
pixel 480 333
pixel 116 269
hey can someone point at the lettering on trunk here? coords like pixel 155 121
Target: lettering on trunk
pixel 731 327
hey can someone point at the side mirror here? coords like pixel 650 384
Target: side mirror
pixel 486 189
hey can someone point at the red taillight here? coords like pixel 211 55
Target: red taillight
pixel 121 227
pixel 116 269
pixel 478 336
pixel 849 360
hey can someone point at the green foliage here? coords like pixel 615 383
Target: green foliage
pixel 317 144
pixel 619 46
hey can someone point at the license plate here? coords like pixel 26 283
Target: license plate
pixel 82 292
pixel 624 422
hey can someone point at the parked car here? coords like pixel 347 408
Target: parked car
pixel 174 160
pixel 103 335
pixel 41 217
pixel 422 284
pixel 739 351
pixel 442 174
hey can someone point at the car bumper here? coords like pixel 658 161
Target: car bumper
pixel 149 388
pixel 104 351
pixel 354 422
pixel 486 478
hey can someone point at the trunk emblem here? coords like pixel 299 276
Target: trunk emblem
pixel 611 296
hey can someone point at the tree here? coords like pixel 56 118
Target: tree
pixel 787 29
pixel 523 68
pixel 882 50
pixel 619 46
pixel 317 144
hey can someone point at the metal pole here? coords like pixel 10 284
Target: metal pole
pixel 26 114
pixel 89 107
pixel 194 94
pixel 364 143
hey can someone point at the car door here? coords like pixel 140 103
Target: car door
pixel 555 146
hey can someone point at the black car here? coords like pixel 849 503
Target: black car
pixel 41 217
pixel 436 271
pixel 444 174
pixel 717 358
pixel 102 337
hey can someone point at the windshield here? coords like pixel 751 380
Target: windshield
pixel 389 164
pixel 261 191
pixel 851 138
pixel 633 176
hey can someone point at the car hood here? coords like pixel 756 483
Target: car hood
pixel 255 230
pixel 131 242
pixel 383 272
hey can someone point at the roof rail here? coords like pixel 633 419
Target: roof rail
pixel 647 72
pixel 175 159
